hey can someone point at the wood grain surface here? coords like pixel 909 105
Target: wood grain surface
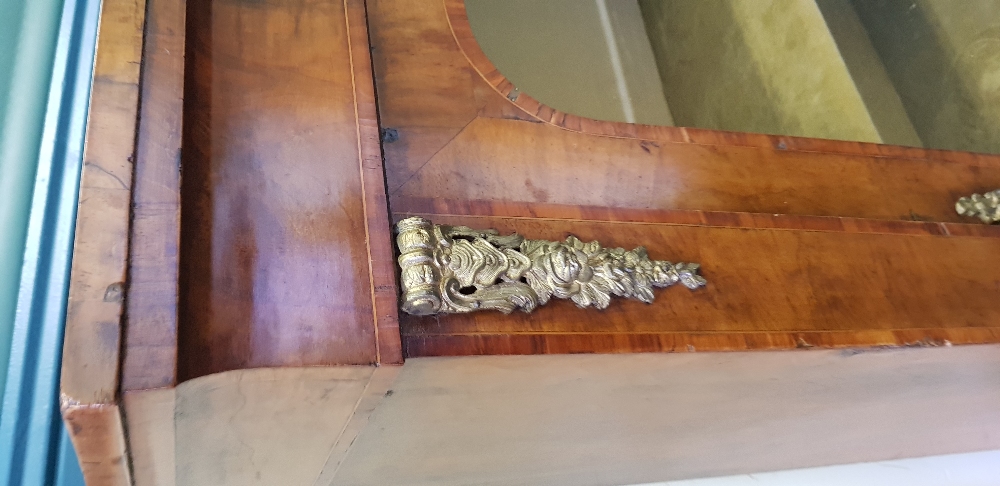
pixel 805 242
pixel 91 349
pixel 265 242
pixel 285 251
pixel 150 350
pixel 774 282
pixel 460 136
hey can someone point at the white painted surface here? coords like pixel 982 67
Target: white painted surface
pixel 632 419
pixel 270 426
pixel 972 469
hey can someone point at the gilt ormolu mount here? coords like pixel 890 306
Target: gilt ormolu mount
pixel 456 269
pixel 986 206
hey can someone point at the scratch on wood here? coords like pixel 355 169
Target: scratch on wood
pixel 102 169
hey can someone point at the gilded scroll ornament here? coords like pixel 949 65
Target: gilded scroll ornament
pixel 455 269
pixel 986 207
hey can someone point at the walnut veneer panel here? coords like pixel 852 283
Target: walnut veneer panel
pixel 773 282
pixel 150 350
pixel 465 133
pixel 281 191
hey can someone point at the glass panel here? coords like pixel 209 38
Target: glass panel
pixel 922 73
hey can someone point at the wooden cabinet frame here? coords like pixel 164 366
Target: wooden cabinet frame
pixel 872 225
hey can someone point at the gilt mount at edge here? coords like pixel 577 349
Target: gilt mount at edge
pixel 986 206
pixel 456 269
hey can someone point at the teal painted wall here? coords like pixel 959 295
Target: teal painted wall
pixel 28 32
pixel 46 65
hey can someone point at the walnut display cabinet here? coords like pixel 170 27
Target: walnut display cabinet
pixel 234 312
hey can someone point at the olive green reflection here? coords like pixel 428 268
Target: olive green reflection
pixel 906 72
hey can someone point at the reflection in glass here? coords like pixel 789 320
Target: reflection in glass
pixel 906 72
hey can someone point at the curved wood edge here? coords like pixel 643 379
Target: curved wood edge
pixel 461 30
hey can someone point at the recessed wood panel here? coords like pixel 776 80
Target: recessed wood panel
pixel 275 260
pixel 772 283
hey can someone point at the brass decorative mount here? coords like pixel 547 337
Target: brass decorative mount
pixel 986 206
pixel 456 269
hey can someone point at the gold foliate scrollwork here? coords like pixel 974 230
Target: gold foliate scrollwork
pixel 986 206
pixel 455 269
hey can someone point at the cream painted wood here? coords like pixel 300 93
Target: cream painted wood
pixel 263 426
pixel 568 419
pixel 379 385
pixel 149 418
pixel 968 469
pixel 626 419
